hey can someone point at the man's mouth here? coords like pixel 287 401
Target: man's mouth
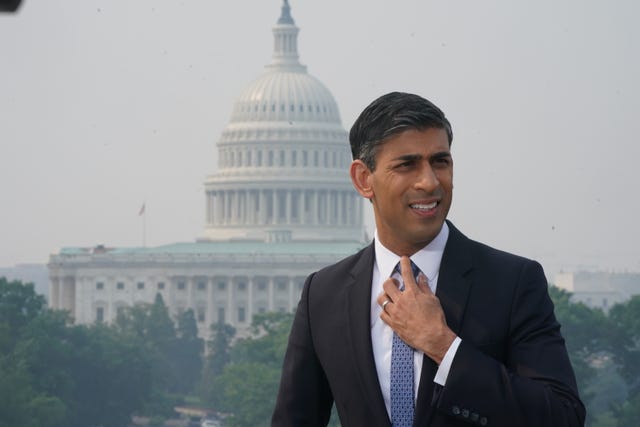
pixel 424 206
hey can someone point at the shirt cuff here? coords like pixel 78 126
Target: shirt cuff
pixel 447 360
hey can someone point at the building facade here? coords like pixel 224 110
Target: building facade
pixel 279 206
pixel 599 289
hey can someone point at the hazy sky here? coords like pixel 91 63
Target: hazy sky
pixel 107 104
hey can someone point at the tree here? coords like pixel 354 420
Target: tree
pixel 218 357
pixel 20 404
pixel 249 384
pixel 625 337
pixel 249 392
pixel 19 304
pixel 187 354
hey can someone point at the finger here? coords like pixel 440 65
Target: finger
pixel 407 274
pixel 391 288
pixel 423 283
pixel 382 297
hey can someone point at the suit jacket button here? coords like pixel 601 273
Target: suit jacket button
pixel 483 421
pixel 455 410
pixel 475 417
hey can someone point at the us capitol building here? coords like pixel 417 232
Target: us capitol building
pixel 280 206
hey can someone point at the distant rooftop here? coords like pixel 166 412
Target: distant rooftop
pixel 227 247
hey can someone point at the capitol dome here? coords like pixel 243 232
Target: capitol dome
pixel 286 92
pixel 283 158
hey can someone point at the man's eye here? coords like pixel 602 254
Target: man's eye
pixel 404 164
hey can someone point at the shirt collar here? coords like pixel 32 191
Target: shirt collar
pixel 427 259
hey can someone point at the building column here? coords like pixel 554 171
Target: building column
pixel 315 208
pixel 210 304
pixel 190 282
pixel 291 300
pixel 230 296
pixel 270 295
pixel 288 207
pixel 263 207
pixel 250 290
pixel 227 207
pixel 302 215
pixel 275 211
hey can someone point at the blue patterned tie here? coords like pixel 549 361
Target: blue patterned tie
pixel 402 404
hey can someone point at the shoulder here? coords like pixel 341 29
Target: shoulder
pixel 480 256
pixel 347 265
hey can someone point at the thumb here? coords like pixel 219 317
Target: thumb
pixel 423 284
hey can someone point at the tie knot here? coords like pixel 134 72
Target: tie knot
pixel 414 268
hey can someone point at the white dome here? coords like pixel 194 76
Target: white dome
pixel 283 159
pixel 286 95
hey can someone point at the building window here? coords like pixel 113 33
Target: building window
pixel 605 303
pixel 259 160
pixel 140 285
pixel 99 286
pixel 222 286
pixel 282 285
pixel 262 285
pixel 270 158
pixel 282 309
pixel 181 286
pixel 262 310
pixel 100 314
pixel 220 314
pixel 200 314
pixel 241 315
pixel 294 158
pixel 305 160
pixel 242 286
pixel 160 285
pixel 120 286
pixel 281 157
pixel 202 286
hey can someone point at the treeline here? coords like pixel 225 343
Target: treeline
pixel 605 352
pixel 54 373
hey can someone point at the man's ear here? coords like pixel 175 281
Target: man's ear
pixel 361 178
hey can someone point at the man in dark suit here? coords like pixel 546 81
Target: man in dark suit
pixel 424 327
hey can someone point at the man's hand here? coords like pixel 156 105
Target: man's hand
pixel 415 314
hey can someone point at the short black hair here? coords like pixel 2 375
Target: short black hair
pixel 390 115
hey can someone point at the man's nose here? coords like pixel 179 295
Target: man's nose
pixel 427 180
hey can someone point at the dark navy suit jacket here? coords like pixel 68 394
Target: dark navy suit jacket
pixel 510 370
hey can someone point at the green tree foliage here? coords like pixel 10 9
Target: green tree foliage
pixel 586 333
pixel 219 349
pixel 248 385
pixel 249 391
pixel 19 304
pixel 187 354
pixel 625 336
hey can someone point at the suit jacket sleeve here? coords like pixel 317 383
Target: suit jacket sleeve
pixel 525 380
pixel 304 397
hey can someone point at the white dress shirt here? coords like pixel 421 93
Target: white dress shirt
pixel 428 260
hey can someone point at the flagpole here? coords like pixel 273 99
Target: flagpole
pixel 143 213
pixel 144 229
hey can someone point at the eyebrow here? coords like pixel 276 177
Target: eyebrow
pixel 415 157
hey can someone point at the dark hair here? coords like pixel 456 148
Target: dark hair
pixel 389 115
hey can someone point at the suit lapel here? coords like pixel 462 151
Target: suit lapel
pixel 454 282
pixel 359 317
pixel 453 288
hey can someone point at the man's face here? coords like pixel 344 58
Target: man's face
pixel 411 188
